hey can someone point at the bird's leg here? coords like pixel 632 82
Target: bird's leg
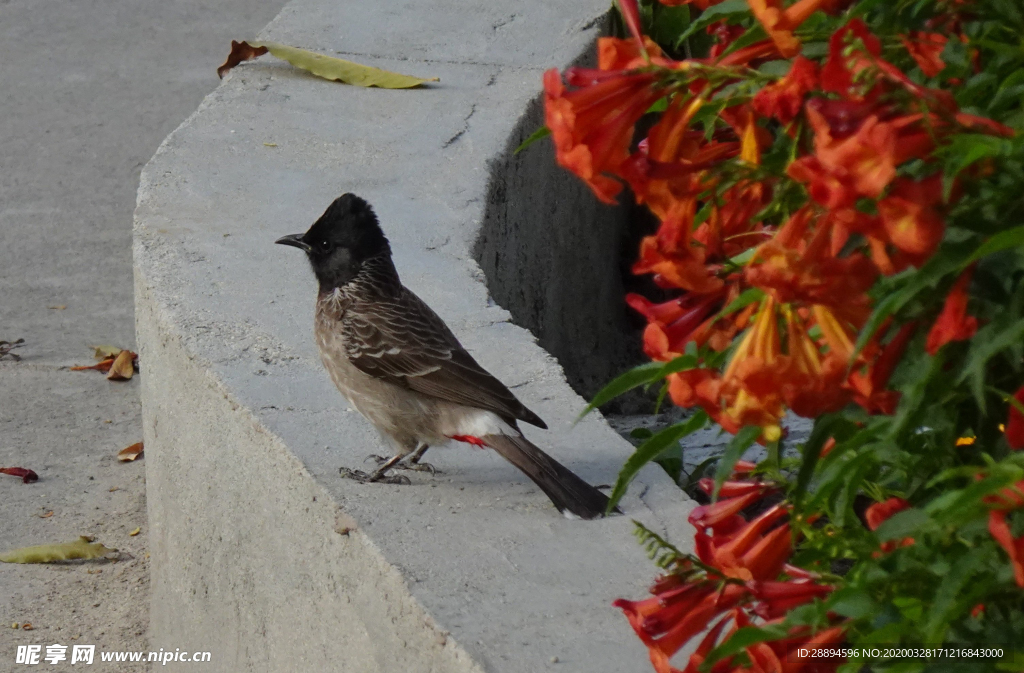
pixel 411 463
pixel 380 472
pixel 379 475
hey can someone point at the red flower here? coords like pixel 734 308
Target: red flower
pixel 1015 423
pixel 672 323
pixel 592 126
pixel 926 48
pixel 870 386
pixel 780 22
pixel 677 616
pixel 910 217
pixel 778 598
pixel 616 54
pixel 784 98
pixel 953 323
pixel 879 512
pixel 1014 547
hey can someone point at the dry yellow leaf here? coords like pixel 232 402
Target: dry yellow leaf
pixel 123 367
pixel 130 453
pixel 135 532
pixel 104 351
pixel 81 548
pixel 327 67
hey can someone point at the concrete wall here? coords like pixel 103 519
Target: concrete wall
pixel 471 569
pixel 555 256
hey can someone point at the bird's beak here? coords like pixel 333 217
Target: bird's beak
pixel 294 240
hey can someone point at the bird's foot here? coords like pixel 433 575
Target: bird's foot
pixel 419 467
pixel 377 477
pixel 411 465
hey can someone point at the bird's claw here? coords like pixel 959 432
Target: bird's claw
pixel 375 478
pixel 404 465
pixel 419 467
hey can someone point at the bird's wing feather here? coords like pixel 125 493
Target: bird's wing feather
pixel 400 339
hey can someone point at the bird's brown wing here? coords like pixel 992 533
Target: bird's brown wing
pixel 400 339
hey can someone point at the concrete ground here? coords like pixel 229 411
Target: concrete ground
pixel 89 90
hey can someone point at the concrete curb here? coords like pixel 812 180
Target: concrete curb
pixel 261 554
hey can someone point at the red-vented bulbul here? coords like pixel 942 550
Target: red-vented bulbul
pixel 403 369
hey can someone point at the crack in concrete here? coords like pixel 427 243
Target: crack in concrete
pixel 462 131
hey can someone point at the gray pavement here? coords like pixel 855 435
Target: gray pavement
pixel 88 90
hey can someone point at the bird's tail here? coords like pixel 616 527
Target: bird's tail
pixel 566 490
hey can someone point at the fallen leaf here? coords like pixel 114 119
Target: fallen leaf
pixel 327 67
pixel 81 548
pixel 7 346
pixel 47 515
pixel 130 452
pixel 240 51
pixel 113 488
pixel 270 144
pixel 58 307
pixel 104 351
pixel 27 626
pixel 135 532
pixel 99 366
pixel 90 571
pixel 123 367
pixel 27 476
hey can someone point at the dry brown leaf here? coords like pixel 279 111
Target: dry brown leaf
pixel 27 626
pixel 240 51
pixel 7 346
pixel 27 476
pixel 135 532
pixel 104 351
pixel 99 366
pixel 130 452
pixel 46 515
pixel 123 367
pixel 58 307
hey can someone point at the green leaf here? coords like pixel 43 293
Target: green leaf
pixel 987 344
pixel 851 602
pixel 328 67
pixel 902 524
pixel 744 638
pixel 728 10
pixel 822 431
pixel 746 298
pixel 542 132
pixel 733 452
pixel 650 450
pixel 649 372
pixel 947 260
pixel 952 586
pixel 82 548
pixel 1004 240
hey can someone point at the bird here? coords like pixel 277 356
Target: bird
pixel 402 368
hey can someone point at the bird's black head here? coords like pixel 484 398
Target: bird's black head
pixel 341 241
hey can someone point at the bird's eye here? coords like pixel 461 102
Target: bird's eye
pixel 324 245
